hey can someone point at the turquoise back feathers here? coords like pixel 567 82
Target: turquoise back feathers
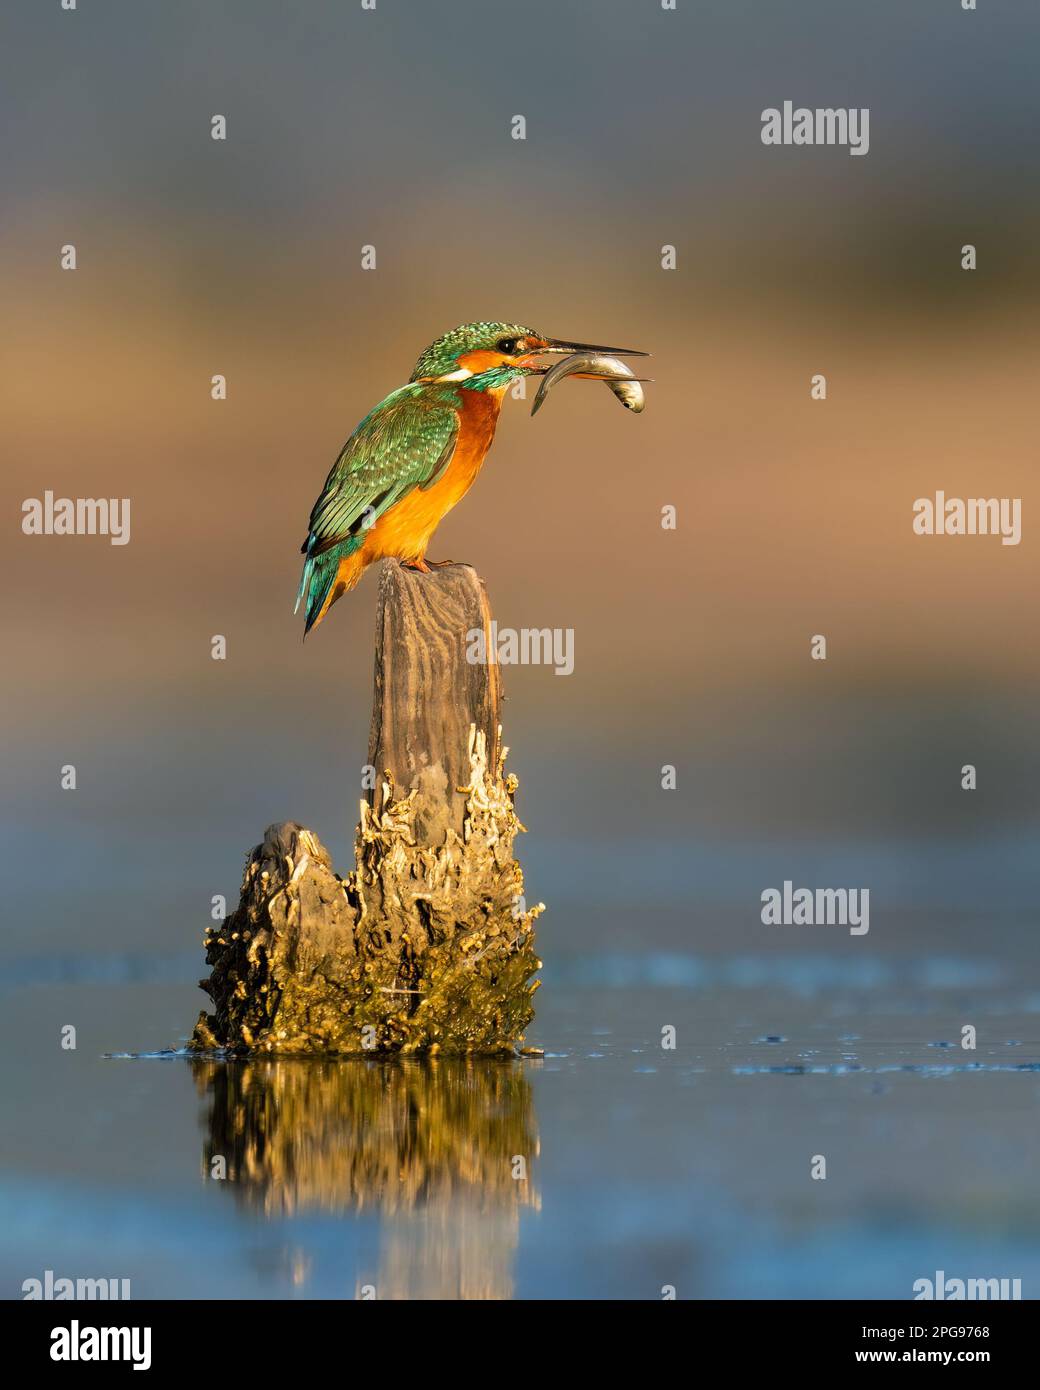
pixel 407 441
pixel 319 575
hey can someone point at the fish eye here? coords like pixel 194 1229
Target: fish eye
pixel 508 346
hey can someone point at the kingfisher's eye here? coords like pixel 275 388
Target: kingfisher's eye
pixel 508 345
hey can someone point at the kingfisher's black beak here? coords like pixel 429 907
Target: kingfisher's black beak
pixel 562 345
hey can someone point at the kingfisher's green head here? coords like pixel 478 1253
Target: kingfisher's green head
pixel 488 356
pixel 477 350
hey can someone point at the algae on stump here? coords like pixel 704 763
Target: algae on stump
pixel 426 944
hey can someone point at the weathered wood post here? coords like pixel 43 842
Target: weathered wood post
pixel 428 694
pixel 427 945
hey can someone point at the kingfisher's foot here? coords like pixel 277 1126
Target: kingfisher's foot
pixel 419 565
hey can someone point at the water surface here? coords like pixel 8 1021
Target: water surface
pixel 611 1167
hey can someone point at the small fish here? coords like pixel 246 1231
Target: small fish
pixel 610 370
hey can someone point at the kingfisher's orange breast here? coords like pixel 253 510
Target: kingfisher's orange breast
pixel 405 530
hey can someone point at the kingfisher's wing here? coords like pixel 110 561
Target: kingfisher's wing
pixel 406 442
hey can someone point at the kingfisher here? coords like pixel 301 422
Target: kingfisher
pixel 417 454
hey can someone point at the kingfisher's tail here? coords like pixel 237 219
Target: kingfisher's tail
pixel 325 577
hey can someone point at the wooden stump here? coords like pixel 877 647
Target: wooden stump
pixel 427 945
pixel 427 694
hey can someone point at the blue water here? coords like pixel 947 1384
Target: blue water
pixel 640 1166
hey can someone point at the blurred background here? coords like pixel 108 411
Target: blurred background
pixel 243 257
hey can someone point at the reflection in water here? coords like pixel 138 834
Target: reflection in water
pixel 443 1149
